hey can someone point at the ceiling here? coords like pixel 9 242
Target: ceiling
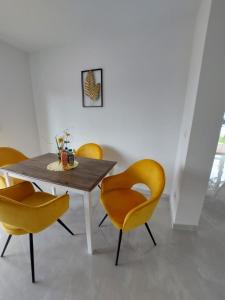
pixel 39 24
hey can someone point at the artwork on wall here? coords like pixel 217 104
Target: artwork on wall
pixel 92 91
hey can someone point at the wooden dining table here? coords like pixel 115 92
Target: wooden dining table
pixel 83 179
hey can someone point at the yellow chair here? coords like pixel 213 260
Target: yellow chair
pixel 9 156
pixel 90 150
pixel 24 211
pixel 126 208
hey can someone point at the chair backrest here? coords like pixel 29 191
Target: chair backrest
pixel 12 211
pixel 10 156
pixel 90 150
pixel 150 173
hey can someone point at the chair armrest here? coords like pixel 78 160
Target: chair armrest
pixel 30 218
pixel 119 181
pixel 18 191
pixel 13 212
pixel 140 214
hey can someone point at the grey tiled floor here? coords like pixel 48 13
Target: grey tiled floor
pixel 183 266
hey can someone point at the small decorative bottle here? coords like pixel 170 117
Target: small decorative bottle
pixel 64 159
pixel 70 157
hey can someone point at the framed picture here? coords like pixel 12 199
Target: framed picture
pixel 92 88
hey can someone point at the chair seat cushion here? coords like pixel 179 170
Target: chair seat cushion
pixel 37 199
pixel 118 203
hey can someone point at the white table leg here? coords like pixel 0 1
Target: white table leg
pixel 7 179
pixel 54 190
pixel 88 220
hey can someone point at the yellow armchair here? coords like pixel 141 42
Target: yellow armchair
pixel 127 208
pixel 24 211
pixel 9 156
pixel 90 150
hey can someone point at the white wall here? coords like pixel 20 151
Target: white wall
pixel 144 51
pixel 18 126
pixel 206 119
pixel 190 100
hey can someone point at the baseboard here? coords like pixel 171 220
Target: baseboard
pixel 185 227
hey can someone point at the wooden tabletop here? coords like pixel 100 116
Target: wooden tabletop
pixel 84 177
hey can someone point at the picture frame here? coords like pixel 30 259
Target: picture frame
pixel 92 87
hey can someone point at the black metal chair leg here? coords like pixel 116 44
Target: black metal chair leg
pixel 6 244
pixel 32 257
pixel 149 231
pixel 37 186
pixel 118 248
pixel 102 220
pixel 64 225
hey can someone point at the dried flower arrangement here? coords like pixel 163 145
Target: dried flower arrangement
pixel 65 155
